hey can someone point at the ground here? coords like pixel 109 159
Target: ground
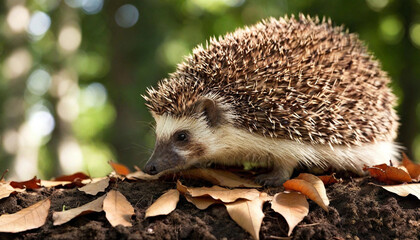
pixel 358 210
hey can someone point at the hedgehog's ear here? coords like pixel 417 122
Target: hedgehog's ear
pixel 210 109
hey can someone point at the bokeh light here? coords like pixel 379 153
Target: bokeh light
pixel 17 63
pixel 377 5
pixel 70 156
pixel 94 95
pixel 39 82
pixel 415 34
pixel 69 38
pixel 92 6
pixel 127 16
pixel 39 24
pixel 391 29
pixel 18 18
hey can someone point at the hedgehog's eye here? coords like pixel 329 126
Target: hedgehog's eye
pixel 181 136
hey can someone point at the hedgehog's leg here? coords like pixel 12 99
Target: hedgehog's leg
pixel 276 177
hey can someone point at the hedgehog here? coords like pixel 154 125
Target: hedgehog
pixel 286 92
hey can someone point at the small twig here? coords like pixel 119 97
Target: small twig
pixel 276 237
pixel 4 173
pixel 308 225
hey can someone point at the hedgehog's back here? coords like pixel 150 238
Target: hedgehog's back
pixel 302 79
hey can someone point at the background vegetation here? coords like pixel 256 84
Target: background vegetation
pixel 72 71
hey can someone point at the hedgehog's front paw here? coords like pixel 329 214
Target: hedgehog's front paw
pixel 275 178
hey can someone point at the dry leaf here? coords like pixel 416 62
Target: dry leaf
pixel 33 183
pixel 307 189
pixel 412 168
pixel 218 177
pixel 117 209
pixel 318 184
pixel 164 205
pixel 329 179
pixel 73 177
pixel 218 193
pixel 6 190
pixel 404 189
pixel 119 168
pixel 388 174
pixel 292 206
pixel 65 216
pixel 28 218
pixel 48 183
pixel 247 214
pixel 95 186
pixel 142 176
pixel 202 202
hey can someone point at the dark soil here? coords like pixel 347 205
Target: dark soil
pixel 358 210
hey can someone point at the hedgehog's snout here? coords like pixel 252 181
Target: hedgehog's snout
pixel 150 169
pixel 163 157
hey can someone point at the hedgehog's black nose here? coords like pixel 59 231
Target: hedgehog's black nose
pixel 150 169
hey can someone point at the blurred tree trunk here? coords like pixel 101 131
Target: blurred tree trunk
pixel 122 78
pixel 408 81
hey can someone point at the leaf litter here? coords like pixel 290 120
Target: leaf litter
pixel 249 217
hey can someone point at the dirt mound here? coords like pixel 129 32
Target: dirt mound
pixel 358 210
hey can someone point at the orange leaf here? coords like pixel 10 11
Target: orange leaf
pixel 164 205
pixel 329 179
pixel 119 168
pixel 34 183
pixel 65 216
pixel 318 185
pixel 248 214
pixel 412 168
pixel 292 206
pixel 95 187
pixel 117 209
pixel 307 189
pixel 388 174
pixel 28 218
pixel 73 177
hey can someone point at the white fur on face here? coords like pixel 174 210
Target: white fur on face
pixel 232 146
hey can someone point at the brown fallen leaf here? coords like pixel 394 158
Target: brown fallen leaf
pixel 247 214
pixel 95 186
pixel 65 216
pixel 119 168
pixel 388 174
pixel 28 218
pixel 292 206
pixel 73 177
pixel 318 184
pixel 202 202
pixel 218 193
pixel 404 189
pixel 140 175
pixel 218 177
pixel 117 209
pixel 6 190
pixel 307 189
pixel 412 168
pixel 164 205
pixel 329 179
pixel 33 183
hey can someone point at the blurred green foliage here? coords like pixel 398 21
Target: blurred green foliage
pixel 100 56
